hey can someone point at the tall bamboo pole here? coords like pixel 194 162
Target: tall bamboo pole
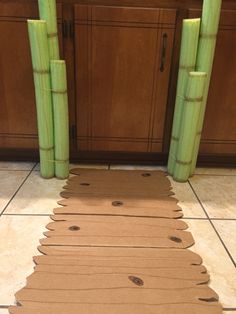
pixel 47 12
pixel 191 111
pixel 188 53
pixel 205 58
pixel 61 120
pixel 41 67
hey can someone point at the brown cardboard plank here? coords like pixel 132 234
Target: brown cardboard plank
pixel 127 201
pixel 114 174
pixel 185 240
pixel 52 281
pixel 109 252
pixel 145 212
pixel 108 222
pixel 197 295
pixel 62 308
pixel 112 262
pixel 192 272
pixel 163 207
pixel 71 213
pixel 120 193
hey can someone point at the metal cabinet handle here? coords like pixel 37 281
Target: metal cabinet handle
pixel 163 53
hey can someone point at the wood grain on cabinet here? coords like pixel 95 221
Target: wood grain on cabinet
pixel 119 100
pixel 18 125
pixel 17 109
pixel 121 83
pixel 219 133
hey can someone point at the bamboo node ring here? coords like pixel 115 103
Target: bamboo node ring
pixel 41 71
pixel 189 99
pixel 58 91
pixel 183 162
pixel 51 35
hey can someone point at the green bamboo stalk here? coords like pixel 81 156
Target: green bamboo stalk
pixel 41 67
pixel 189 123
pixel 188 53
pixel 47 12
pixel 61 120
pixel 205 58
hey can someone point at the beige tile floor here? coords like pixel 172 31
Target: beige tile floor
pixel 26 201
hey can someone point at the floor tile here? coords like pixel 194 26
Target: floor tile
pixel 89 166
pixel 227 232
pixel 9 183
pixel 8 165
pixel 216 171
pixel 136 167
pixel 187 200
pixel 19 238
pixel 217 194
pixel 217 261
pixel 36 196
pixel 4 311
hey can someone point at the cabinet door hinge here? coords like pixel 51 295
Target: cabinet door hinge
pixel 71 29
pixel 68 29
pixel 65 31
pixel 73 132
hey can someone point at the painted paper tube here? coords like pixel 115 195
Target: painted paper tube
pixel 47 12
pixel 205 58
pixel 189 123
pixel 41 67
pixel 61 117
pixel 188 53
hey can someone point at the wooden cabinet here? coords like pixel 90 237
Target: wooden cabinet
pixel 123 59
pixel 17 109
pixel 122 62
pixel 219 133
pixel 18 125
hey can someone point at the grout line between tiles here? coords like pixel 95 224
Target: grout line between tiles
pixel 229 309
pixel 194 218
pixel 34 166
pixel 44 215
pixel 215 175
pixel 217 233
pixel 4 306
pixel 23 182
pixel 233 219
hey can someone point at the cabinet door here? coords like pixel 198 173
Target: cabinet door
pixel 18 126
pixel 123 59
pixel 219 133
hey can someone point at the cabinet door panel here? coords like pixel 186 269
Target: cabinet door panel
pixel 118 77
pixel 17 109
pixel 219 133
pixel 18 125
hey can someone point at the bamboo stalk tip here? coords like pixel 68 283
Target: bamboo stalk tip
pixel 57 61
pixel 29 21
pixel 197 73
pixel 196 20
